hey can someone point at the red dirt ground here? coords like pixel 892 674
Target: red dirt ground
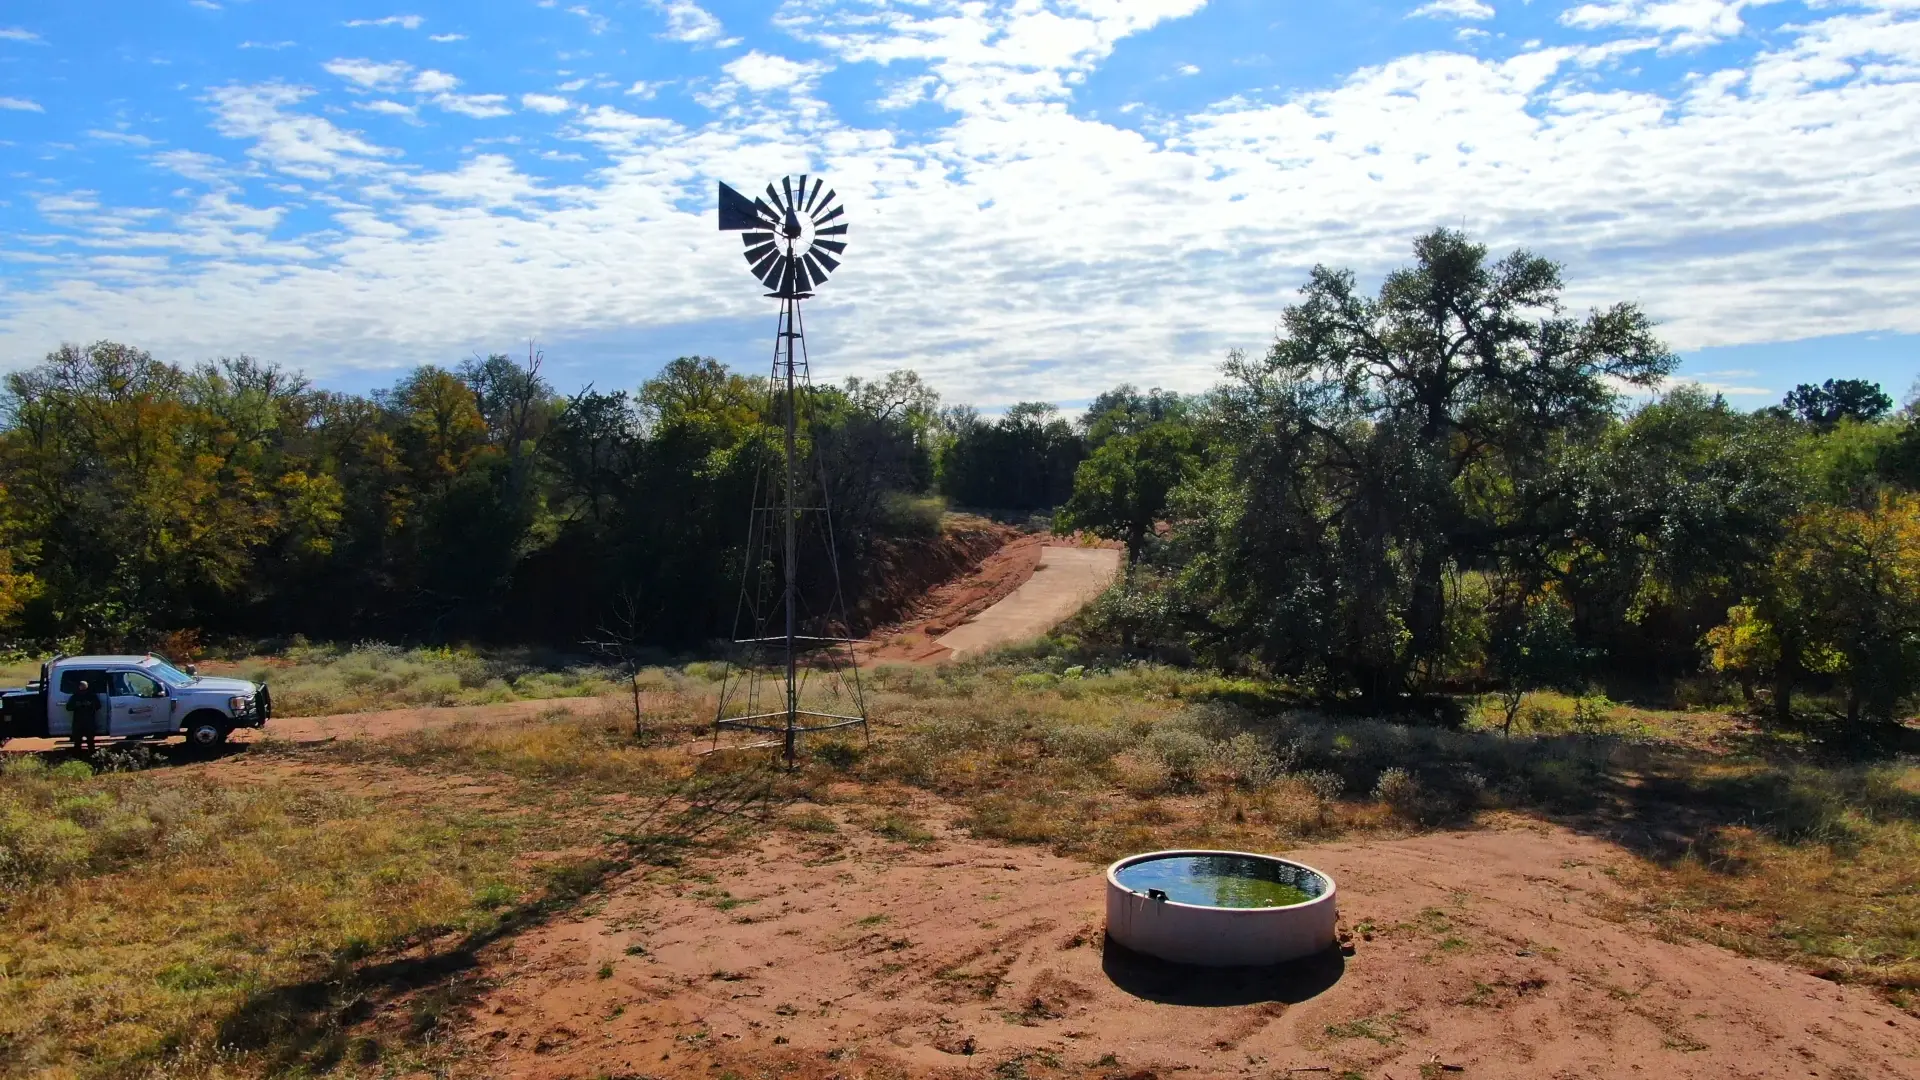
pixel 1481 954
pixel 834 951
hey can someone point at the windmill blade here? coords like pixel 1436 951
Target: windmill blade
pixel 752 238
pixel 832 230
pixel 786 183
pixel 803 193
pixel 771 279
pixel 819 275
pixel 826 202
pixel 755 254
pixel 824 218
pixel 774 198
pixel 763 268
pixel 834 246
pixel 817 185
pixel 786 276
pixel 826 260
pixel 736 210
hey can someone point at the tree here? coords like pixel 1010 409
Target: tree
pixel 1664 520
pixel 1401 438
pixel 1835 400
pixel 1124 410
pixel 1023 462
pixel 1535 649
pixel 1121 491
pixel 1841 601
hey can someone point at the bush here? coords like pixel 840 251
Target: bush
pixel 1400 791
pixel 911 515
pixel 1181 752
pixel 1245 760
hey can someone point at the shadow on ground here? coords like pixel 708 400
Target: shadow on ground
pixel 1183 984
pixel 128 756
pixel 318 1023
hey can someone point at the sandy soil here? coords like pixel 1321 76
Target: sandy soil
pixel 1065 581
pixel 912 640
pixel 1481 954
pixel 965 600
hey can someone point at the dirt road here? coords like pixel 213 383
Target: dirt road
pixel 1066 580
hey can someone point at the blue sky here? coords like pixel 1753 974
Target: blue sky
pixel 1048 197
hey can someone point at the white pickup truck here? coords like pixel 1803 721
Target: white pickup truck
pixel 141 697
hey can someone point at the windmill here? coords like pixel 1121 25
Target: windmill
pixel 787 635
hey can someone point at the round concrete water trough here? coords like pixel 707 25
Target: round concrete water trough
pixel 1219 908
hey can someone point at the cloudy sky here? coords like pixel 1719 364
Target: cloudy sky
pixel 1048 197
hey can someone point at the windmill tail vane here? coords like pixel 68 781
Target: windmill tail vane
pixel 790 640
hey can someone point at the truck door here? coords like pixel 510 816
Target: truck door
pixel 59 720
pixel 140 705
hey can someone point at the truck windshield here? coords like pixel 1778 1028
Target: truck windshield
pixel 166 673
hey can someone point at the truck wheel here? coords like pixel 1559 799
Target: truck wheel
pixel 206 734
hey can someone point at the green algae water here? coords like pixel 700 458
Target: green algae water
pixel 1225 881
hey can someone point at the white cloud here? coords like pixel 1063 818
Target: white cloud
pixel 368 73
pixel 761 72
pixel 571 86
pixel 546 103
pixel 643 90
pixel 445 38
pixel 298 144
pixel 689 22
pixel 1687 23
pixel 16 33
pixel 1189 69
pixel 123 137
pixel 405 22
pixel 386 108
pixel 20 104
pixel 479 106
pixel 1452 9
pixel 596 24
pixel 205 5
pixel 75 202
pixel 906 93
pixel 434 82
pixel 1771 197
pixel 273 46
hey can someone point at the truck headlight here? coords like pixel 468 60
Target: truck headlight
pixel 239 704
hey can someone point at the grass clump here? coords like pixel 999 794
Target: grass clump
pixel 319 680
pixel 144 910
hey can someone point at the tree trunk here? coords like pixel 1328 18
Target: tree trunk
pixel 1783 693
pixel 1427 606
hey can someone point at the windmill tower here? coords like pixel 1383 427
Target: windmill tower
pixel 793 672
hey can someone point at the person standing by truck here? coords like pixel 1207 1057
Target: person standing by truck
pixel 85 707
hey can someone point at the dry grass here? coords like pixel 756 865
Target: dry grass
pixel 318 680
pixel 179 922
pixel 1819 867
pixel 144 909
pixel 174 904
